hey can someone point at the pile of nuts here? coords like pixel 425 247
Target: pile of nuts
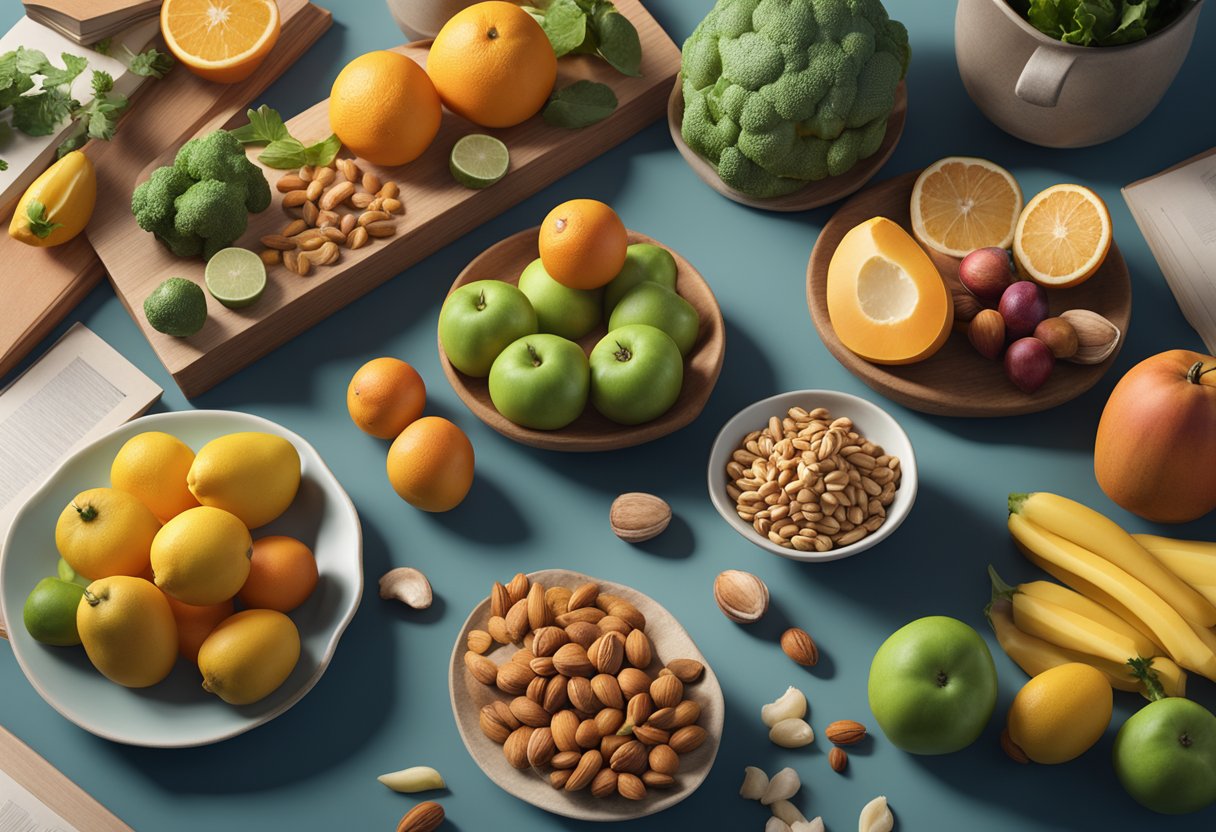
pixel 584 703
pixel 335 205
pixel 810 482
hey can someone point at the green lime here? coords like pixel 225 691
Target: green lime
pixel 50 612
pixel 236 277
pixel 176 307
pixel 67 573
pixel 478 161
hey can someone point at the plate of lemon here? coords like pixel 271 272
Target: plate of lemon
pixel 183 579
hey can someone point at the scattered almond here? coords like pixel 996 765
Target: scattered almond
pixel 742 597
pixel 845 732
pixel 425 817
pixel 838 759
pixel 799 646
pixel 636 517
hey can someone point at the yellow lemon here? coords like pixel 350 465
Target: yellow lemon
pixel 1060 713
pixel 127 630
pixel 249 655
pixel 105 532
pixel 153 467
pixel 253 475
pixel 201 556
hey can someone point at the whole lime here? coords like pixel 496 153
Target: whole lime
pixel 50 612
pixel 176 307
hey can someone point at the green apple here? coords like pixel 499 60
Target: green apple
pixel 933 686
pixel 650 303
pixel 67 573
pixel 643 263
pixel 50 612
pixel 636 374
pixel 479 320
pixel 540 382
pixel 1165 756
pixel 560 310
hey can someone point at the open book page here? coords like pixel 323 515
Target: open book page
pixel 22 811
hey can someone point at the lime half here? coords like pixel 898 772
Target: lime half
pixel 478 161
pixel 236 277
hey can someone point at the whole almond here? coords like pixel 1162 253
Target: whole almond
pixel 667 691
pixel 425 817
pixel 539 614
pixel 609 745
pixel 560 776
pixel 608 691
pixel 607 653
pixel 633 682
pixel 612 624
pixel 536 689
pixel 688 738
pixel 479 641
pixel 278 241
pixel 606 600
pixel 639 709
pixel 529 713
pixel 290 182
pixel 492 726
pixel 588 734
pixel 650 735
pixel 838 759
pixel 1012 749
pixel 497 627
pixel 687 713
pixel 638 649
pixel 631 614
pixel 845 732
pixel 358 238
pixel 566 759
pixel 483 669
pixel 383 228
pixel 604 784
pixel 571 660
pixel 523 656
pixel 663 718
pixel 609 721
pixel 548 639
pixel 663 760
pixel 630 786
pixel 636 517
pixel 513 677
pixel 558 599
pixel 336 195
pixel 555 697
pixel 686 670
pixel 582 695
pixel 517 588
pixel 503 711
pixel 799 646
pixel 631 757
pixel 515 749
pixel 657 780
pixel 543 666
pixel 540 747
pixel 742 597
pixel 589 614
pixel 517 620
pixel 588 766
pixel 564 726
pixel 582 632
pixel 584 596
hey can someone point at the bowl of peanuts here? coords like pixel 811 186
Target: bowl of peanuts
pixel 813 475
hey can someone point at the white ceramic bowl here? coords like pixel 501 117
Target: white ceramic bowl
pixel 177 712
pixel 871 421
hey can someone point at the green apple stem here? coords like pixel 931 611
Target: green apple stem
pixel 87 513
pixel 1193 374
pixel 481 301
pixel 622 353
pixel 1015 502
pixel 536 362
pixel 1142 669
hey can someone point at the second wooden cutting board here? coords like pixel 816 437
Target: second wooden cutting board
pixel 437 212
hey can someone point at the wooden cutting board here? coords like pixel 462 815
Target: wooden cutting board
pixel 40 286
pixel 437 212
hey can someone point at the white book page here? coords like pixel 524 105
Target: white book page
pixel 21 811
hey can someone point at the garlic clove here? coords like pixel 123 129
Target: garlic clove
pixel 408 586
pixel 788 812
pixel 755 781
pixel 792 733
pixel 782 786
pixel 415 779
pixel 815 825
pixel 789 705
pixel 776 825
pixel 1097 338
pixel 876 816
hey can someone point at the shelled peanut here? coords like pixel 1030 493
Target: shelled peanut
pixel 333 206
pixel 584 704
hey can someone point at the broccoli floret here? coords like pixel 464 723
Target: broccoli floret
pixel 201 203
pixel 781 92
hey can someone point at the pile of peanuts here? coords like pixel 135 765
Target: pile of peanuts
pixel 334 205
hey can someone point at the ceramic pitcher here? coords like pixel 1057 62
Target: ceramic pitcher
pixel 420 19
pixel 1058 94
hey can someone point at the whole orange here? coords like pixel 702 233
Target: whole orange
pixel 282 574
pixel 430 465
pixel 384 396
pixel 194 624
pixel 493 64
pixel 384 108
pixel 583 244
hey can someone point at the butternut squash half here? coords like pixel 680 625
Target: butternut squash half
pixel 886 299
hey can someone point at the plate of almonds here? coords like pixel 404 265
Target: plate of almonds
pixel 584 697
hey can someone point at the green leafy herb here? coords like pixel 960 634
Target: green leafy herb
pixel 581 104
pixel 619 44
pixel 591 27
pixel 1101 22
pixel 73 65
pixel 565 23
pixel 40 225
pixel 102 47
pixel 283 151
pixel 150 63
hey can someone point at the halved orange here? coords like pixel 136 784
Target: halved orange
pixel 962 203
pixel 220 40
pixel 1062 236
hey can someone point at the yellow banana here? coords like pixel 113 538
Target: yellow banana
pixel 1194 561
pixel 1078 567
pixel 1076 632
pixel 1099 534
pixel 1062 596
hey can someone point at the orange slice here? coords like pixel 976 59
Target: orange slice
pixel 961 203
pixel 220 40
pixel 1062 236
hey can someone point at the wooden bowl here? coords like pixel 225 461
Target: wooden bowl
pixel 815 194
pixel 958 381
pixel 591 431
pixel 670 641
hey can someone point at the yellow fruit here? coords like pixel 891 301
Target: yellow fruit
pixel 1062 596
pixel 153 467
pixel 384 108
pixel 220 40
pixel 201 556
pixel 493 64
pixel 961 203
pixel 127 630
pixel 249 655
pixel 430 465
pixel 195 623
pixel 58 205
pixel 1072 631
pixel 1059 714
pixel 1062 236
pixel 105 532
pixel 252 475
pixel 384 396
pixel 1192 560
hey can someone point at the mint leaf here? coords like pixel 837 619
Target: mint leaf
pixel 581 104
pixel 284 154
pixel 40 226
pixel 566 26
pixel 265 126
pixel 322 153
pixel 53 76
pixel 283 151
pixel 150 63
pixel 619 44
pixel 42 114
pixel 30 61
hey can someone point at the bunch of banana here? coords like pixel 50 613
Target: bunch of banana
pixel 1194 561
pixel 1041 625
pixel 1150 609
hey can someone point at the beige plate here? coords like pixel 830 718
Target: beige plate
pixel 591 431
pixel 813 195
pixel 670 641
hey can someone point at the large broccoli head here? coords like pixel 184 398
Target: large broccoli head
pixel 781 92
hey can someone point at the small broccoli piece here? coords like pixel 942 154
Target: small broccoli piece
pixel 212 209
pixel 152 202
pixel 182 245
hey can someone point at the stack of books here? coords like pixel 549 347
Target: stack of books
pixel 88 21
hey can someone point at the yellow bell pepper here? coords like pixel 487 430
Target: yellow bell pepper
pixel 58 205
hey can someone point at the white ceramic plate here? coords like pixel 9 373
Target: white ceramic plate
pixel 177 712
pixel 871 421
pixel 670 640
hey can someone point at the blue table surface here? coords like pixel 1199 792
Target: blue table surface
pixel 383 704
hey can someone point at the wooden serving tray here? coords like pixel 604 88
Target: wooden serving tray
pixel 437 212
pixel 506 261
pixel 958 381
